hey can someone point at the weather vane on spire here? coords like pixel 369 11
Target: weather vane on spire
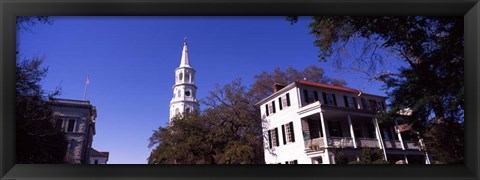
pixel 185 40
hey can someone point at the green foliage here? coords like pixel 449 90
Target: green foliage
pixel 262 87
pixel 227 132
pixel 37 140
pixel 340 157
pixel 370 156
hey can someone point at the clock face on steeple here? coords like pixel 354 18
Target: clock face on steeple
pixel 187 93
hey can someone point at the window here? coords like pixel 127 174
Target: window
pixel 373 104
pixel 180 76
pixel 315 128
pixel 310 96
pixel 270 108
pixel 350 102
pixel 273 138
pixel 287 133
pixel 187 77
pixel 345 101
pixel 366 105
pixel 284 101
pixel 335 128
pixel 96 161
pixel 71 125
pixel 179 93
pixel 329 99
pixel 354 101
pixel 380 105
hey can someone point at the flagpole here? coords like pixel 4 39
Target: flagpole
pixel 85 90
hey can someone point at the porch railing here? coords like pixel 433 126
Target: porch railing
pixel 315 144
pixel 367 142
pixel 392 144
pixel 411 145
pixel 340 142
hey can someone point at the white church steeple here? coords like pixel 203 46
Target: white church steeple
pixel 184 91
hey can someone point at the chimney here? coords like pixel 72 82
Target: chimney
pixel 277 87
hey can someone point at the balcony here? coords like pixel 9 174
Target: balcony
pixel 339 142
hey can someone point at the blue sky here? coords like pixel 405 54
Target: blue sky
pixel 131 63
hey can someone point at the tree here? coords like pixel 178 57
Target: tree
pixel 227 132
pixel 37 139
pixel 370 156
pixel 431 80
pixel 262 87
pixel 24 23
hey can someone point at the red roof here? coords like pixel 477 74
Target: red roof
pixel 339 88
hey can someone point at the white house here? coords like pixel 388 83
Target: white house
pixel 309 123
pixel 97 157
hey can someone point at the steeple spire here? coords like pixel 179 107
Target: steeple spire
pixel 185 62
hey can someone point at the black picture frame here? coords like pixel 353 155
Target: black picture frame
pixel 10 9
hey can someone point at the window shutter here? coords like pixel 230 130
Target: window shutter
pixel 280 103
pixel 276 134
pixel 355 102
pixel 346 101
pixel 270 138
pixel 273 106
pixel 315 94
pixel 283 134
pixel 291 130
pixel 325 98
pixel 266 109
pixel 334 99
pixel 288 99
pixel 305 95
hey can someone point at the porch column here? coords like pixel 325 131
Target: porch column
pixel 399 135
pixel 379 137
pixel 351 131
pixel 326 155
pixel 324 129
pixel 406 159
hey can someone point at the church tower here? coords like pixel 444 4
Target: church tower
pixel 184 91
